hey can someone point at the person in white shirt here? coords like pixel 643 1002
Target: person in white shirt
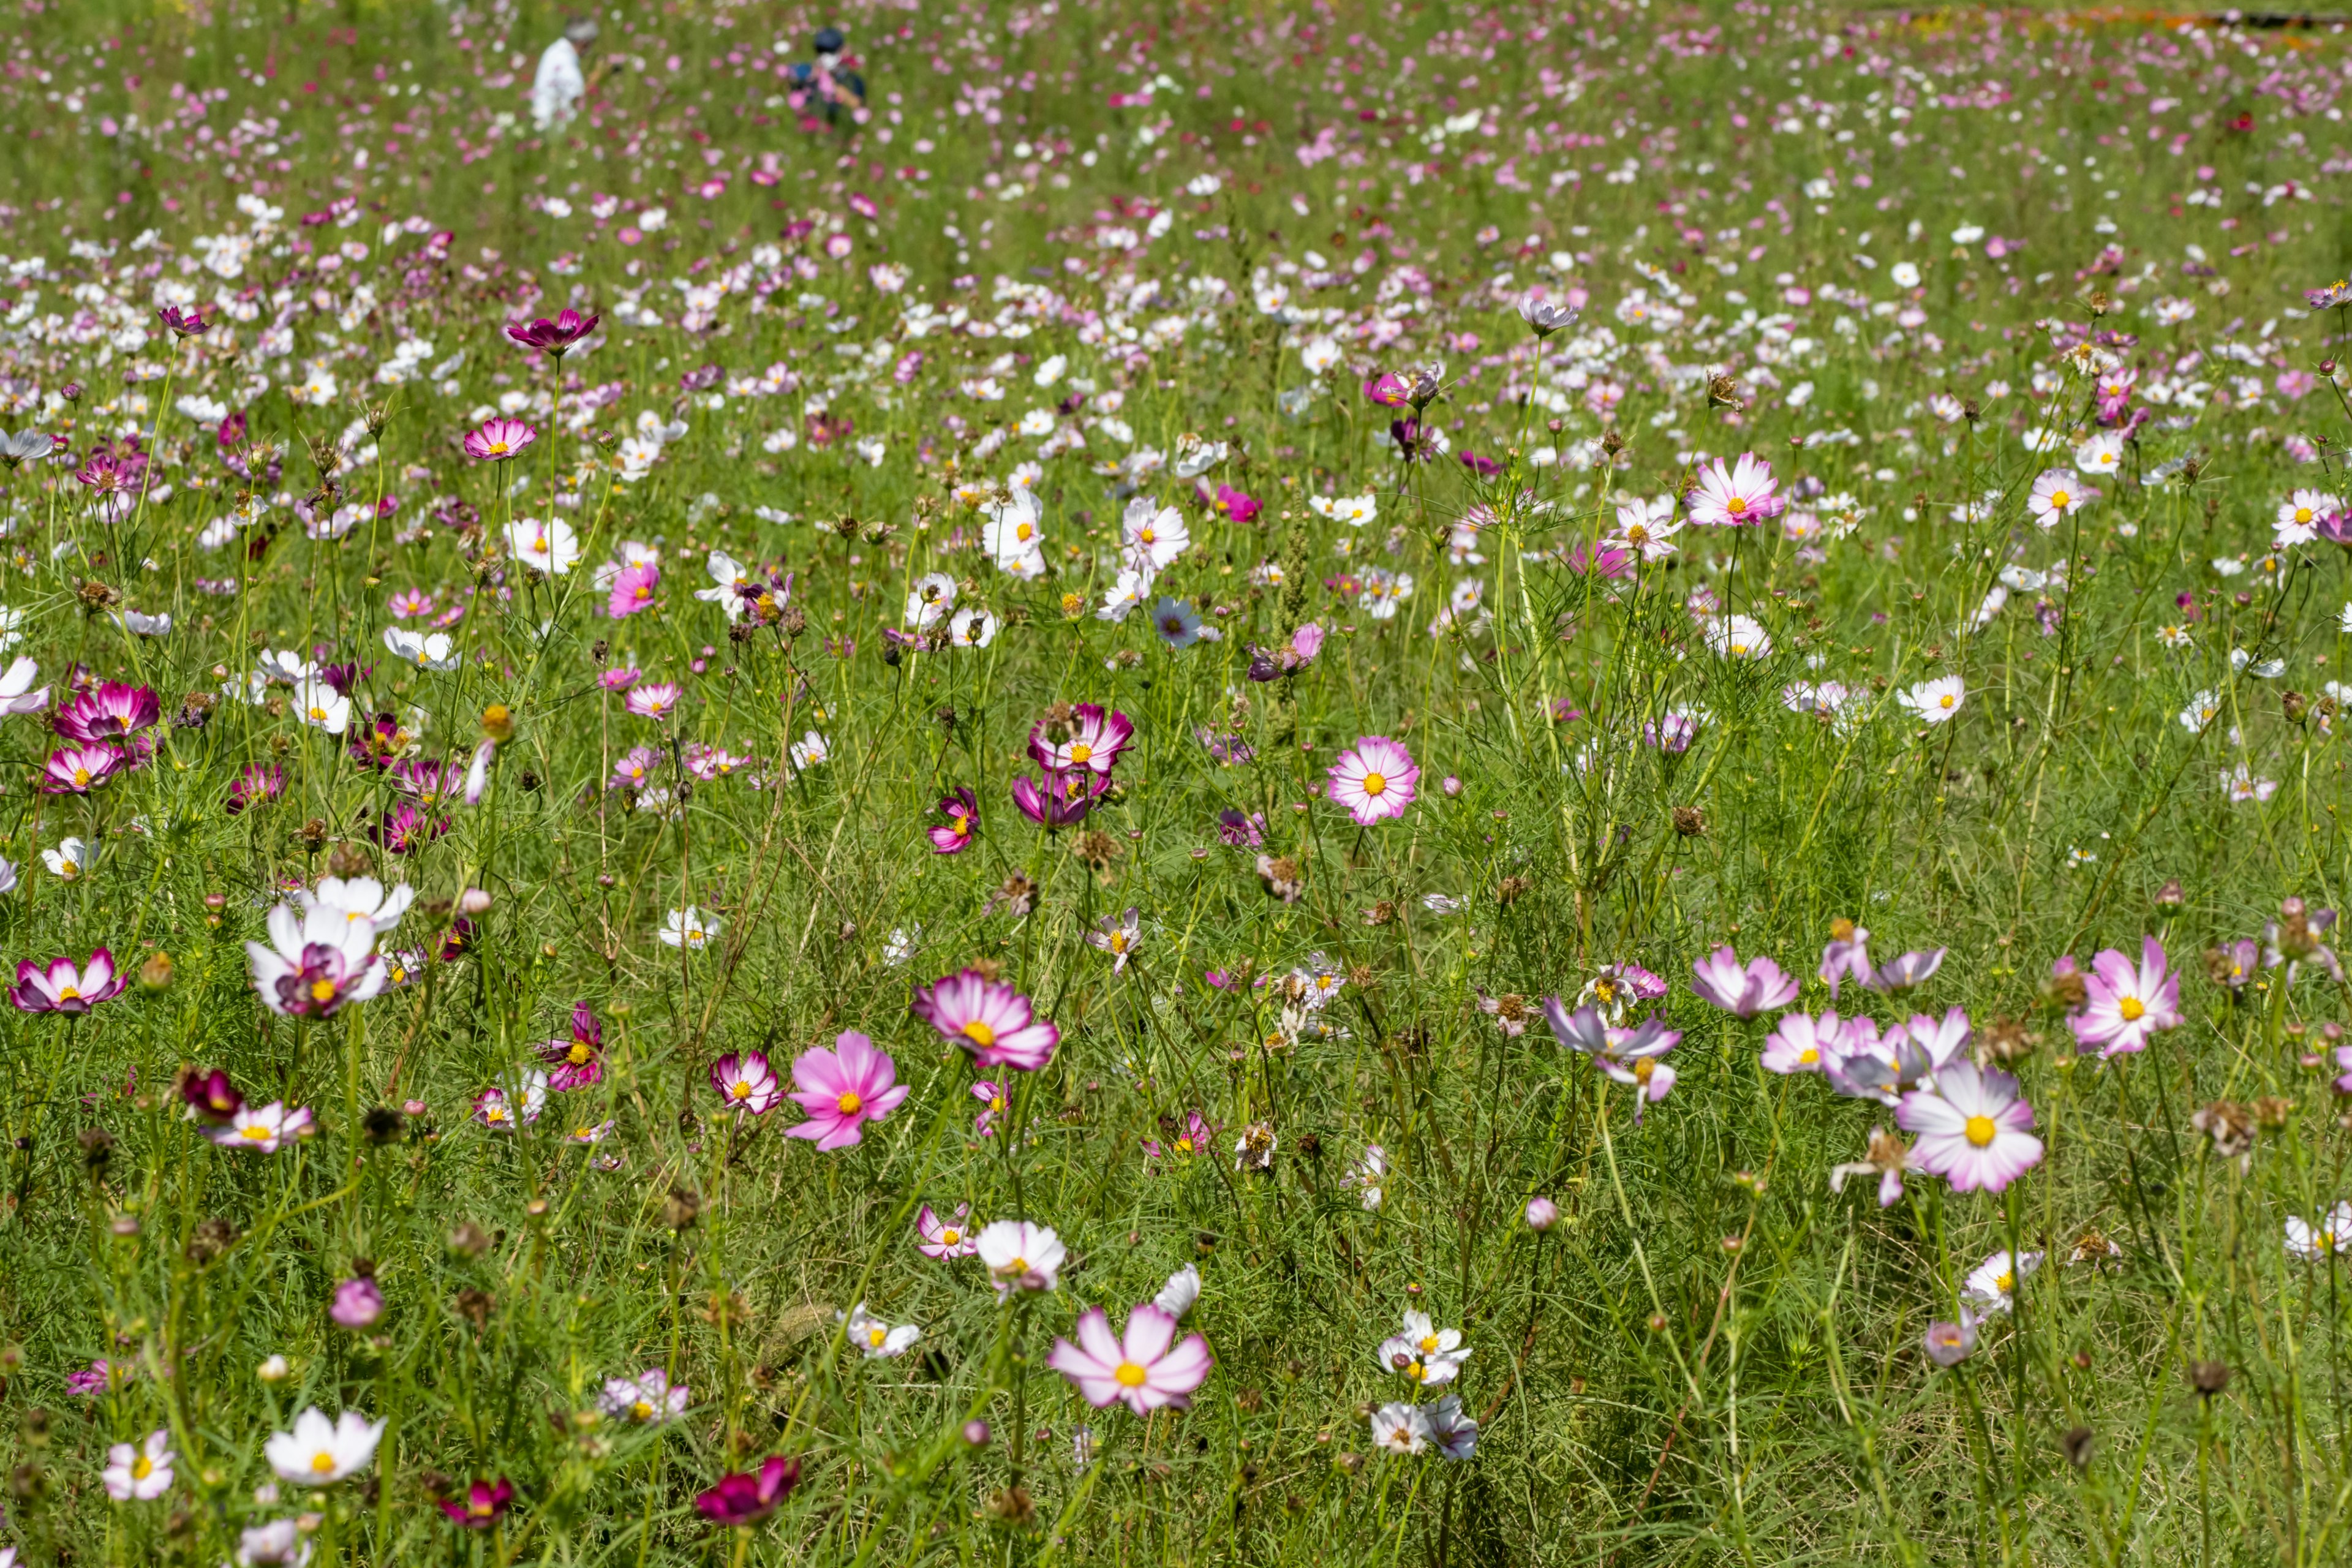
pixel 556 91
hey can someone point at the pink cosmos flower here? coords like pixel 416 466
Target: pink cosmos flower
pixel 654 700
pixel 843 1088
pixel 499 439
pixel 747 1082
pixel 2126 1004
pixel 989 1018
pixel 1375 780
pixel 553 337
pixel 1138 1369
pixel 1972 1129
pixel 1800 1043
pixel 1088 738
pixel 945 1239
pixel 1847 953
pixel 410 603
pixel 1729 497
pixel 633 589
pixel 636 767
pixel 1743 991
pixel 262 1129
pixel 64 988
pixel 357 1303
pixel 577 1062
pixel 109 712
pixel 1063 797
pixel 1633 1057
pixel 963 812
pixel 995 1100
pixel 79 769
pixel 620 677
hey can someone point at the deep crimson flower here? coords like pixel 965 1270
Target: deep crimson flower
pixel 485 1503
pixel 403 830
pixel 109 712
pixel 557 336
pixel 211 1096
pixel 740 1498
pixel 183 323
pixel 1485 467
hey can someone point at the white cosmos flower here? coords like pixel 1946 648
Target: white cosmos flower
pixel 877 1339
pixel 809 750
pixel 690 928
pixel 318 704
pixel 17 692
pixel 548 546
pixel 320 1452
pixel 1933 701
pixel 426 651
pixel 359 899
pixel 69 860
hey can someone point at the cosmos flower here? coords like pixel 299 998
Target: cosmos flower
pixel 79 769
pixel 555 338
pixel 1972 1129
pixel 1934 701
pixel 745 1082
pixel 1143 1368
pixel 2057 495
pixel 1020 1256
pixel 64 987
pixel 1991 1286
pixel 2310 1241
pixel 1743 992
pixel 1400 1428
pixel 987 1018
pixel 482 1506
pixel 1374 780
pixel 941 1239
pixel 139 1472
pixel 877 1339
pixel 264 1129
pixel 1083 736
pixel 690 928
pixel 315 962
pixel 1734 497
pixel 841 1089
pixel 2125 1005
pixel 500 440
pixel 110 711
pixel 961 809
pixel 550 547
pixel 1429 1355
pixel 643 1400
pixel 577 1062
pixel 318 1452
pixel 744 1498
pixel 1800 1043
pixel 1948 1344
pixel 1117 936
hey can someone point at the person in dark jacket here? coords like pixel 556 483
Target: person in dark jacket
pixel 828 83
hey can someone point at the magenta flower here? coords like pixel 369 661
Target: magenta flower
pixel 989 1018
pixel 747 1082
pixel 1746 992
pixel 256 784
pixel 654 700
pixel 555 337
pixel 1374 780
pixel 79 769
pixel 183 323
pixel 1389 390
pixel 109 712
pixel 1139 1369
pixel 633 589
pixel 1063 797
pixel 499 439
pixel 620 677
pixel 357 1303
pixel 484 1504
pixel 843 1088
pixel 1728 498
pixel 1230 502
pixel 578 1062
pixel 740 1498
pixel 962 814
pixel 1087 738
pixel 636 767
pixel 211 1098
pixel 946 1239
pixel 1972 1129
pixel 2126 1006
pixel 64 988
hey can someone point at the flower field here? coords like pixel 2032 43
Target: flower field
pixel 1320 784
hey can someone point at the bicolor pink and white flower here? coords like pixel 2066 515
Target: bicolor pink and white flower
pixel 1146 1368
pixel 989 1018
pixel 1742 990
pixel 315 962
pixel 139 1472
pixel 844 1089
pixel 1087 737
pixel 2127 1004
pixel 1375 780
pixel 1800 1042
pixel 1020 1256
pixel 1974 1129
pixel 745 1082
pixel 66 987
pixel 1735 496
pixel 941 1239
pixel 264 1129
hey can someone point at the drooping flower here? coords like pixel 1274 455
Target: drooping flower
pixel 1903 974
pixel 1886 1159
pixel 1948 1344
pixel 1020 1256
pixel 1375 780
pixel 320 1452
pixel 1144 1368
pixel 745 1082
pixel 744 1498
pixel 1178 1295
pixel 1972 1128
pixel 139 1472
pixel 357 1302
pixel 844 1089
pixel 65 987
pixel 987 1018
pixel 2125 1005
pixel 1743 992
pixel 1063 797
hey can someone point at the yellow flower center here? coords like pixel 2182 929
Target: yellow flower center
pixel 322 991
pixel 1428 1344
pixel 81 777
pixel 641 1411
pixel 877 1336
pixel 1119 941
pixel 2132 1008
pixel 578 1054
pixel 1734 506
pixel 2005 1283
pixel 1020 531
pixel 2059 498
pixel 1080 753
pixel 142 1467
pixel 951 1236
pixel 1374 783
pixel 1979 1130
pixel 1130 1375
pixel 318 714
pixel 1416 1372
pixel 68 993
pixel 257 1132
pixel 1146 537
pixel 322 1462
pixel 1641 1070
pixel 1946 700
pixel 1183 1145
pixel 740 1089
pixel 2303 514
pixel 849 1103
pixel 979 1034
pixel 1809 1056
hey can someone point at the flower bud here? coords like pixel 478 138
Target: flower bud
pixel 498 724
pixel 155 974
pixel 1542 1214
